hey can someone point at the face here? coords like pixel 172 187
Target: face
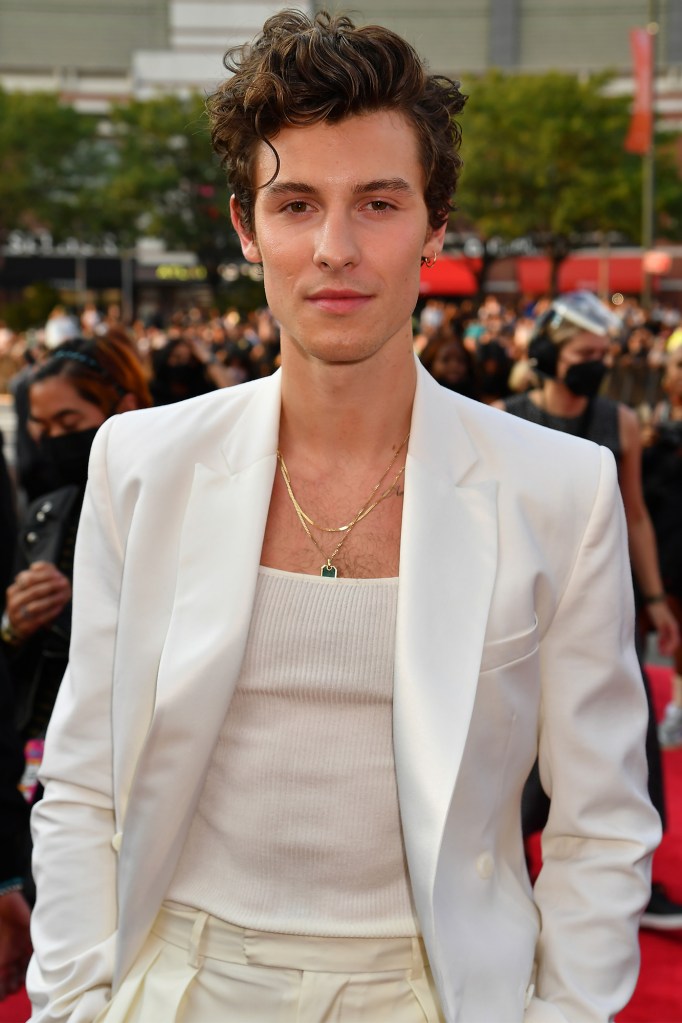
pixel 450 364
pixel 341 232
pixel 672 380
pixel 57 408
pixel 583 347
pixel 180 355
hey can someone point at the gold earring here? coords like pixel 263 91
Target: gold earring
pixel 428 263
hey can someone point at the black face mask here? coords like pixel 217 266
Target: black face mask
pixel 69 454
pixel 585 378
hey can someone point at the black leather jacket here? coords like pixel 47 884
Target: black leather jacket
pixel 38 664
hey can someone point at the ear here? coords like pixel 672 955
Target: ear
pixel 435 239
pixel 247 239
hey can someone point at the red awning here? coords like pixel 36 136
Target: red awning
pixel 451 275
pixel 596 273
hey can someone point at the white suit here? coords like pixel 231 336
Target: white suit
pixel 514 620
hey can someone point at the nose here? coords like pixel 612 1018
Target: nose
pixel 336 245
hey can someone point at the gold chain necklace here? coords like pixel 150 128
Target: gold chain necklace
pixel 329 571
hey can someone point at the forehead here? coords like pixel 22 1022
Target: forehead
pixel 54 393
pixel 361 148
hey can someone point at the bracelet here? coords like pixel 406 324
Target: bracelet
pixel 7 632
pixel 15 884
pixel 655 598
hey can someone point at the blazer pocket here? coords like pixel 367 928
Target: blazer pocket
pixel 510 649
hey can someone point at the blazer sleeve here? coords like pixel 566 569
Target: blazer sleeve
pixel 75 917
pixel 602 828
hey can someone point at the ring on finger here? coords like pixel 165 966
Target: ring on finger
pixel 26 612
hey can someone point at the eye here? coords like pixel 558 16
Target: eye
pixel 297 206
pixel 379 206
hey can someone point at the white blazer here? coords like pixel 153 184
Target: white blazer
pixel 514 622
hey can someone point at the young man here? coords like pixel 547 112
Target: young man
pixel 322 623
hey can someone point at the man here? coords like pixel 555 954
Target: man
pixel 320 622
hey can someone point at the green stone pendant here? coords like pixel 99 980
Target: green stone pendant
pixel 328 571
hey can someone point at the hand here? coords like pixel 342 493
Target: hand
pixel 200 349
pixel 15 942
pixel 36 597
pixel 665 624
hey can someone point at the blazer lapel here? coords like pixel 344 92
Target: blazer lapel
pixel 220 548
pixel 448 560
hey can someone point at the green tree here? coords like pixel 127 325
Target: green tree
pixel 163 179
pixel 544 159
pixel 45 163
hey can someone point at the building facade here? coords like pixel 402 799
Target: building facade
pixel 91 52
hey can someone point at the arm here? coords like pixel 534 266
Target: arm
pixel 641 537
pixel 602 829
pixel 75 919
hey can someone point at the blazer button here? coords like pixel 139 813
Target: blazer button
pixel 116 841
pixel 31 537
pixel 485 866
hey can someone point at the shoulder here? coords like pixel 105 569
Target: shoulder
pixel 180 419
pixel 526 458
pixel 516 401
pixel 146 440
pixel 154 452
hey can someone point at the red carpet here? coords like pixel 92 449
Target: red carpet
pixel 658 997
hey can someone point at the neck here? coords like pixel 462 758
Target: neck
pixel 346 411
pixel 559 401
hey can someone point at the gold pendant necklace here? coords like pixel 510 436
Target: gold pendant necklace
pixel 327 570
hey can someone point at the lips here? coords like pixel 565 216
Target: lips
pixel 343 300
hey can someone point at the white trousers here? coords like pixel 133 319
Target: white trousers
pixel 195 968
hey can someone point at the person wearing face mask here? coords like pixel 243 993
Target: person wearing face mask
pixel 569 351
pixel 81 385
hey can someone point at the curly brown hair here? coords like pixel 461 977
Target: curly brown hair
pixel 301 71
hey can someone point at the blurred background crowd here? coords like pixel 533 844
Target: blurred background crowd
pixel 476 348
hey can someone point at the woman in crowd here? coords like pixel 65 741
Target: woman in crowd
pixel 71 395
pixel 662 472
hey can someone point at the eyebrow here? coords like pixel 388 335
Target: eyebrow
pixel 395 185
pixel 57 417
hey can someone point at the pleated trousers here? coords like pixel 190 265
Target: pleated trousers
pixel 195 968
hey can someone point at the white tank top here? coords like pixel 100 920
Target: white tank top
pixel 298 827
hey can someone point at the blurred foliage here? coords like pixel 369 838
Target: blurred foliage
pixel 164 181
pixel 147 169
pixel 34 306
pixel 544 158
pixel 44 163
